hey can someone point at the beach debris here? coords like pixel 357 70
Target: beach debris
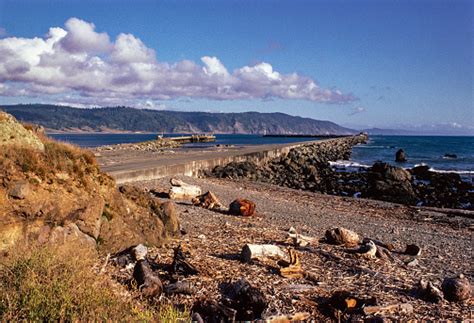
pixel 297 317
pixel 378 243
pixel 139 252
pixel 342 236
pixel 412 250
pixel 297 288
pixel 456 289
pixel 428 292
pixel 255 251
pixel 242 207
pixel 400 156
pixel 180 265
pixel 402 308
pixel 367 250
pixel 291 269
pixel 211 311
pixel 343 303
pixel 182 190
pixel 300 240
pixel 208 201
pixel 248 301
pixel 180 287
pixel 412 262
pixel 148 283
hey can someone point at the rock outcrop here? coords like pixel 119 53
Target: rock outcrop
pixel 11 134
pixel 55 192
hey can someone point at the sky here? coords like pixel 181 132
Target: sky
pixel 389 64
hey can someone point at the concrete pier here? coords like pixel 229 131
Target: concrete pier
pixel 126 167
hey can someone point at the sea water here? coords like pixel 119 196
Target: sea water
pixel 420 150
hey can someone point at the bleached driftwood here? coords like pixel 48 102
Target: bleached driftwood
pixel 182 190
pixel 254 251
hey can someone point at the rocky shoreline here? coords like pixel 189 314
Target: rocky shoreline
pixel 308 168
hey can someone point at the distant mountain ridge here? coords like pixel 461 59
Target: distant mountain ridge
pixel 64 118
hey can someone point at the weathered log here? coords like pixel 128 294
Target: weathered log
pixel 255 251
pixel 412 250
pixel 292 269
pixel 248 301
pixel 181 287
pixel 242 207
pixel 300 240
pixel 428 292
pixel 148 283
pixel 367 250
pixel 180 265
pixel 208 201
pixel 342 236
pixel 182 190
pixel 456 289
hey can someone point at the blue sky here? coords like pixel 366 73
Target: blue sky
pixel 374 63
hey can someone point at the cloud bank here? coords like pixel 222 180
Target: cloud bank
pixel 77 64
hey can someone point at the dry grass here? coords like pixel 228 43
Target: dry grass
pixel 56 158
pixel 60 284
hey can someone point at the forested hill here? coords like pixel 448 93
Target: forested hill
pixel 129 119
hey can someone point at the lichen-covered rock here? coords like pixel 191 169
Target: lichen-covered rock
pixel 13 133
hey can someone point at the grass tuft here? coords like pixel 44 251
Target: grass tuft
pixel 61 284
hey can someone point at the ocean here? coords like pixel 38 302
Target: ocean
pixel 420 150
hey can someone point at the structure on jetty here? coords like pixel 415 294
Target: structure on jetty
pixel 306 136
pixel 191 138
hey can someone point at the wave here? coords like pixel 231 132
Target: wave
pixel 353 164
pixel 348 163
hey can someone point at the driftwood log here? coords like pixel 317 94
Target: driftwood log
pixel 208 201
pixel 342 236
pixel 182 190
pixel 255 251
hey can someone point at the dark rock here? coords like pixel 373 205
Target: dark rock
pixel 248 301
pixel 148 283
pixel 212 312
pixel 400 156
pixel 390 183
pixel 180 265
pixel 452 156
pixel 181 287
pixel 456 289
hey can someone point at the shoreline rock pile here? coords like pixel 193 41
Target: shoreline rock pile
pixel 308 168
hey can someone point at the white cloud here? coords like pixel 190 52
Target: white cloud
pixel 357 110
pixel 79 64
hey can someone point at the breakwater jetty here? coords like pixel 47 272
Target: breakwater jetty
pixel 126 166
pixel 192 138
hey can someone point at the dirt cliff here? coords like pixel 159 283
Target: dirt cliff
pixel 50 191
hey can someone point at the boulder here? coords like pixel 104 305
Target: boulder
pixel 390 183
pixel 242 207
pixel 169 216
pixel 456 289
pixel 400 156
pixel 70 233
